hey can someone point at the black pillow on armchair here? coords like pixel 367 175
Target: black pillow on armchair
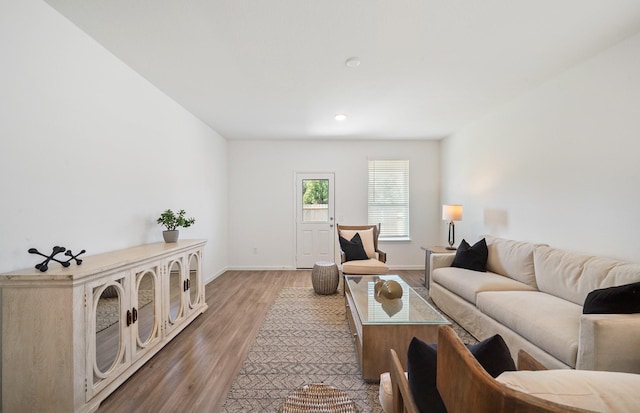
pixel 623 299
pixel 353 249
pixel 422 360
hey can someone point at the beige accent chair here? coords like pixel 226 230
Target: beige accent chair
pixel 377 258
pixel 465 386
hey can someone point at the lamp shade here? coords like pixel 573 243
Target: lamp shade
pixel 452 212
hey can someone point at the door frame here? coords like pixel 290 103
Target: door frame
pixel 332 203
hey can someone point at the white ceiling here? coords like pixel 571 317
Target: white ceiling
pixel 275 69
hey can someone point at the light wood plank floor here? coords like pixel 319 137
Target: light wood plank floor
pixel 194 372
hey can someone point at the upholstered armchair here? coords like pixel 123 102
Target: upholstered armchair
pixel 359 253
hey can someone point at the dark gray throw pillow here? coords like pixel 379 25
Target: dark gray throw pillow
pixel 353 249
pixel 493 354
pixel 422 360
pixel 472 257
pixel 623 299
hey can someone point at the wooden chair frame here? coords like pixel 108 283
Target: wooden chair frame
pixel 402 399
pixel 382 256
pixel 465 386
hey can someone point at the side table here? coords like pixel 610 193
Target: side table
pixel 427 261
pixel 325 277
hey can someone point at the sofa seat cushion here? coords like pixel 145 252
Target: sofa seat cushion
pixel 467 284
pixel 591 390
pixel 370 266
pixel 549 322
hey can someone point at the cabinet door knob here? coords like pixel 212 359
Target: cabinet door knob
pixel 135 314
pixel 128 318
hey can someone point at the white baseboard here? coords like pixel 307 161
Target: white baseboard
pixel 216 275
pixel 274 268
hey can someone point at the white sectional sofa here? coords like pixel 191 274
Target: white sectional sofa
pixel 533 295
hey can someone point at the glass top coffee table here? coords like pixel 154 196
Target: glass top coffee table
pixel 379 324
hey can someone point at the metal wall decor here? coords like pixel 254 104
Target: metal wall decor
pixel 44 265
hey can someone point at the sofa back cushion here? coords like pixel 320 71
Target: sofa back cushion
pixel 513 259
pixel 572 276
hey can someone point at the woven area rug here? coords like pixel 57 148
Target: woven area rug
pixel 304 339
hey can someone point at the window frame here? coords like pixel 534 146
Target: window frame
pixel 383 173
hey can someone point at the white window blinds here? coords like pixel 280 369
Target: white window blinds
pixel 389 197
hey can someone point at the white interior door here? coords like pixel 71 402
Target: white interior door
pixel 315 229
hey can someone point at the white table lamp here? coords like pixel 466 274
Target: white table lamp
pixel 452 213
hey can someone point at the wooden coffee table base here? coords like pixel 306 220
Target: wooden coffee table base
pixel 377 329
pixel 375 342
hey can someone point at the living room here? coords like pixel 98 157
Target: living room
pixel 553 165
pixel 556 163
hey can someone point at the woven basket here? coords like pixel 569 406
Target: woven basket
pixel 318 398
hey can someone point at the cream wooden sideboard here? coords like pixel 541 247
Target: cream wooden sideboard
pixel 71 336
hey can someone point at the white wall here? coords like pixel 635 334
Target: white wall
pixel 91 153
pixel 558 165
pixel 262 173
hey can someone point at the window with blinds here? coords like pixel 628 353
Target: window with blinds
pixel 389 197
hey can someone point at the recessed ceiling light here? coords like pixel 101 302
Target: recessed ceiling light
pixel 352 62
pixel 340 117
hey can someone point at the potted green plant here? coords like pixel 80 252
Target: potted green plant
pixel 172 222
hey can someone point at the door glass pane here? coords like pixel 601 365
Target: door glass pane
pixel 175 291
pixel 315 200
pixel 146 307
pixel 193 279
pixel 107 327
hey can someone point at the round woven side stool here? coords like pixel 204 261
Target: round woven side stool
pixel 325 277
pixel 318 398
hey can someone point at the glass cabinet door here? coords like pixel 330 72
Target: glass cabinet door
pixel 194 280
pixel 108 332
pixel 175 291
pixel 145 311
